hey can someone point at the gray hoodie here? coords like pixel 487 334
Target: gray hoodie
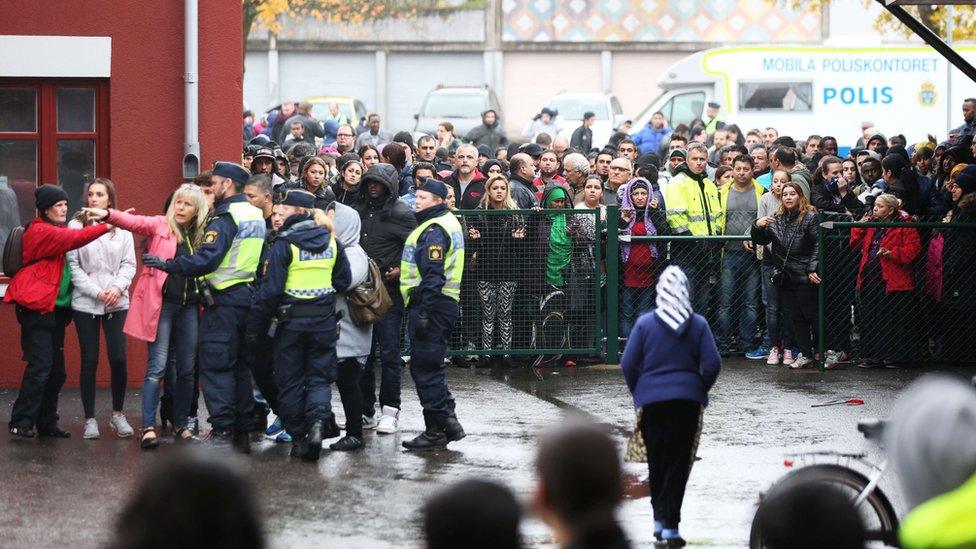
pixel 932 437
pixel 354 341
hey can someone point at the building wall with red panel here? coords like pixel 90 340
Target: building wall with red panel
pixel 146 101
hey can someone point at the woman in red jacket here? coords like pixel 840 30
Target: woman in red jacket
pixel 885 283
pixel 42 292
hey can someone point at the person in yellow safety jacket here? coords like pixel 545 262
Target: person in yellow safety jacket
pixel 712 121
pixel 693 208
pixel 430 281
pixel 304 270
pixel 931 440
pixel 225 262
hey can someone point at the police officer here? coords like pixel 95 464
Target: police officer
pixel 226 262
pixel 430 281
pixel 303 272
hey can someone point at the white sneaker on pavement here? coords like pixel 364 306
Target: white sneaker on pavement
pixel 834 358
pixel 91 430
pixel 801 362
pixel 788 357
pixel 389 421
pixel 121 427
pixel 773 358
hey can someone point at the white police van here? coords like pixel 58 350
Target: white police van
pixel 826 90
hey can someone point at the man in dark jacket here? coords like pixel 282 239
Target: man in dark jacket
pixel 522 189
pixel 313 128
pixel 582 139
pixel 488 133
pixel 386 223
pixel 468 182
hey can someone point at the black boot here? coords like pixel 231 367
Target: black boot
pixel 452 428
pixel 52 431
pixel 330 429
pixel 314 442
pixel 298 447
pixel 242 442
pixel 428 440
pixel 165 413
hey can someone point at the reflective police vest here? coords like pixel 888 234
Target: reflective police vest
pixel 690 208
pixel 310 273
pixel 410 276
pixel 240 263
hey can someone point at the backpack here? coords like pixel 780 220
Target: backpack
pixel 13 251
pixel 369 301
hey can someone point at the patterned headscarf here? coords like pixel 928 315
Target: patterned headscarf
pixel 673 301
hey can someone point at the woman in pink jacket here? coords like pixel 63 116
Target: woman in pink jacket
pixel 164 307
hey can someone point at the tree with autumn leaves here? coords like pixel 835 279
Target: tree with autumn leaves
pixel 933 17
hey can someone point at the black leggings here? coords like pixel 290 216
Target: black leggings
pixel 87 324
pixel 800 305
pixel 671 430
pixel 352 397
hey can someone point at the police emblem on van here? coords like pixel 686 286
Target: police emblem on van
pixel 928 95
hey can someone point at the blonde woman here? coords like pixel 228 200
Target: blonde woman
pixel 497 240
pixel 163 308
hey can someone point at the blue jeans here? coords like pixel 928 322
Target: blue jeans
pixel 386 341
pixel 633 303
pixel 179 324
pixel 427 358
pixel 739 293
pixel 779 329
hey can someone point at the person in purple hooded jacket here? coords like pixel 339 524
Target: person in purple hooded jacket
pixel 670 363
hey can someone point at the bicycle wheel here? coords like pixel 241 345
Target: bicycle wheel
pixel 877 514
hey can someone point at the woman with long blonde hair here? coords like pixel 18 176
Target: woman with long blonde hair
pixel 497 239
pixel 164 307
pixel 792 232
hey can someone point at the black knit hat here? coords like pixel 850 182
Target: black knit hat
pixel 48 195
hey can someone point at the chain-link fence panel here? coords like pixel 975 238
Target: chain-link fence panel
pixel 531 285
pixel 898 293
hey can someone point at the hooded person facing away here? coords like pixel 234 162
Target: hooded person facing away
pixel 670 363
pixel 489 132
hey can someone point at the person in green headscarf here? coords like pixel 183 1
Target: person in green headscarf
pixel 560 243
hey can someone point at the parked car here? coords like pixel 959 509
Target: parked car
pixel 571 106
pixel 352 108
pixel 459 105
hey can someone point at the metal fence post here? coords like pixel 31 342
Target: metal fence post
pixel 821 312
pixel 613 259
pixel 599 326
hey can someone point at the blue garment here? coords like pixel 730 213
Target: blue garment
pixel 649 140
pixel 177 330
pixel 934 200
pixel 779 328
pixel 224 371
pixel 766 180
pixel 331 128
pixel 431 271
pixel 739 295
pixel 305 368
pixel 661 364
pixel 301 231
pixel 208 255
pixel 427 358
pixel 633 303
pixel 386 345
pixel 405 181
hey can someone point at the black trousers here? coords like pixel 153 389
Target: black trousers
pixel 800 304
pixel 671 430
pixel 42 342
pixel 350 370
pixel 87 326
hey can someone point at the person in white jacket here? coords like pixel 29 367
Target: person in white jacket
pixel 101 273
pixel 355 342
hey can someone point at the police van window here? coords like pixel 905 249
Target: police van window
pixel 775 96
pixel 684 108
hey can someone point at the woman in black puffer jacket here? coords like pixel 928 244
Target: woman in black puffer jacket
pixel 793 235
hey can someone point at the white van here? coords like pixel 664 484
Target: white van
pixel 800 90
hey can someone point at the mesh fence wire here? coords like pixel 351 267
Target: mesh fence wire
pixel 531 284
pixel 899 293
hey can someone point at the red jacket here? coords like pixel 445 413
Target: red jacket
pixel 36 284
pixel 905 247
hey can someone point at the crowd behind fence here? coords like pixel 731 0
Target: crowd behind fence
pixel 530 293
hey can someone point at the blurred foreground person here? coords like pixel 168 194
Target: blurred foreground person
pixel 810 515
pixel 475 514
pixel 211 506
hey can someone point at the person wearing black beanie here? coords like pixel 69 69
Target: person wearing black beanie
pixel 41 287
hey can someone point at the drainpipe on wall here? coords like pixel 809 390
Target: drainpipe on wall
pixel 191 89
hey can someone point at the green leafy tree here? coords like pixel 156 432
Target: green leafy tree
pixel 933 17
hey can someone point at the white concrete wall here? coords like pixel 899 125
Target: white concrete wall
pixel 635 76
pixel 532 78
pixel 411 75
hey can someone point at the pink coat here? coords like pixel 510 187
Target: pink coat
pixel 147 296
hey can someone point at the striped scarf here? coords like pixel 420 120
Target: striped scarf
pixel 673 303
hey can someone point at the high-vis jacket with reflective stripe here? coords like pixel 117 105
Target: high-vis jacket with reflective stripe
pixel 241 261
pixel 451 256
pixel 692 207
pixel 310 273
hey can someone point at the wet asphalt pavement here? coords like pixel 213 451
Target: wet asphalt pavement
pixel 58 493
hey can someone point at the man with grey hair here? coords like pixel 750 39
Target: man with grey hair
pixel 575 169
pixel 559 146
pixel 621 170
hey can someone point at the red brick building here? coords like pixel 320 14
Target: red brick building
pixel 96 88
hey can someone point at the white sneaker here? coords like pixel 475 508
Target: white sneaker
pixel 801 362
pixel 389 421
pixel 773 358
pixel 91 430
pixel 369 422
pixel 833 358
pixel 121 427
pixel 788 357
